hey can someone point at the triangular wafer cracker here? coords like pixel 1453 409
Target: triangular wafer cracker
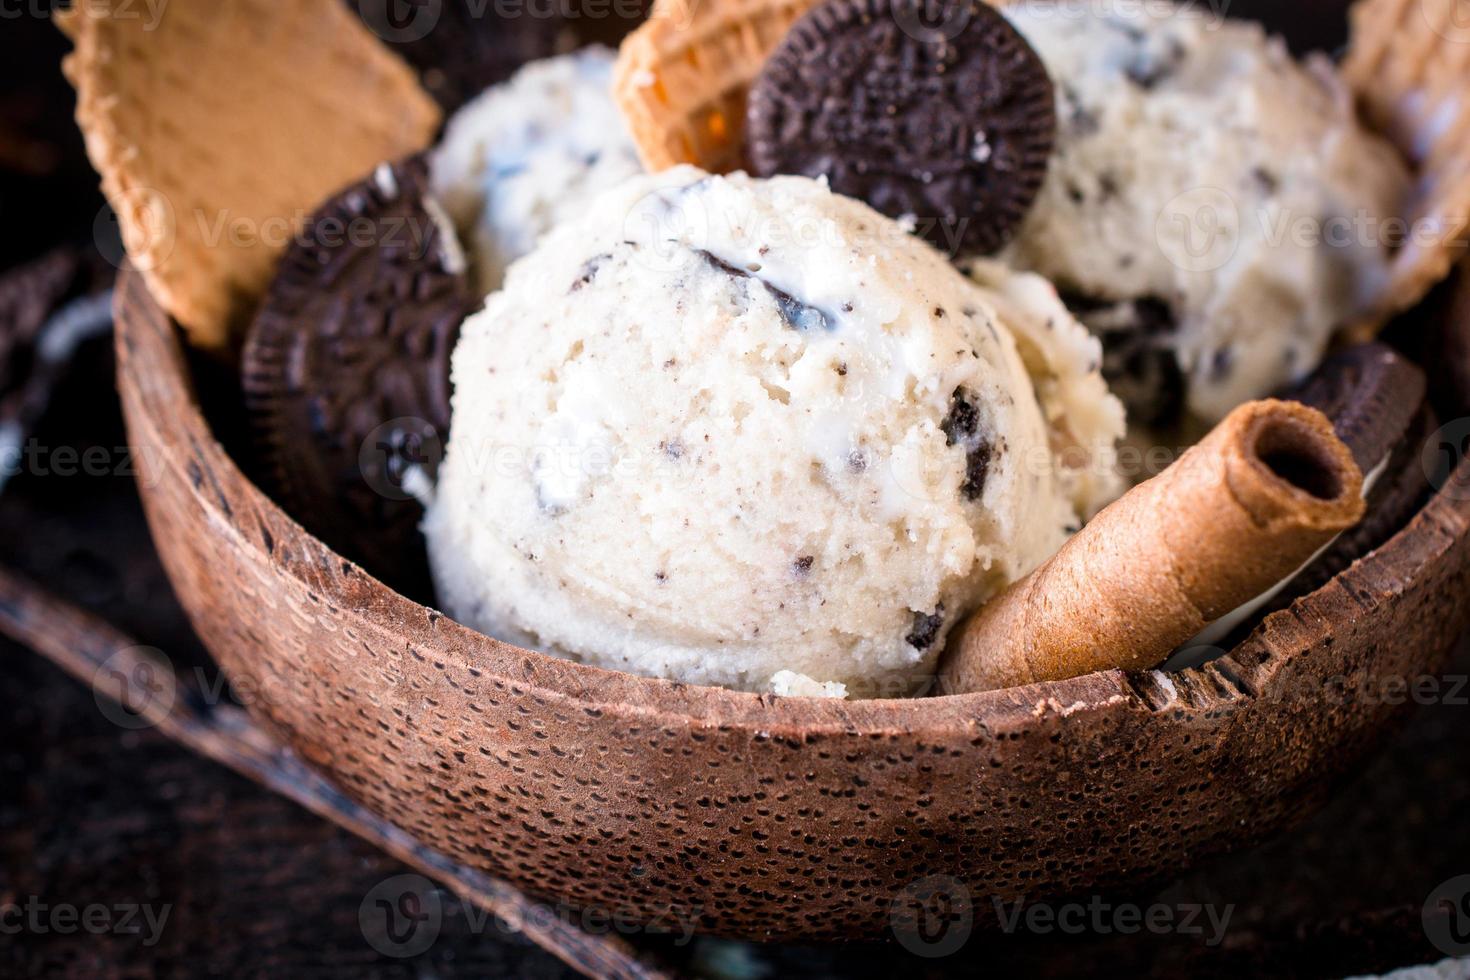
pixel 219 125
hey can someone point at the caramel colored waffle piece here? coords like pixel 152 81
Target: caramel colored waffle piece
pixel 219 126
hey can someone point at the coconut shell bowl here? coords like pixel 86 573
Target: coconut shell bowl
pixel 758 816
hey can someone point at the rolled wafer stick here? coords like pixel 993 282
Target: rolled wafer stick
pixel 1236 514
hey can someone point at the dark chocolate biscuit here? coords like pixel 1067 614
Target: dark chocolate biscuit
pixel 936 109
pixel 1376 401
pixel 1372 395
pixel 346 368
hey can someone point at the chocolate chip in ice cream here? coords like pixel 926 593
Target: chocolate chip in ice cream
pixel 794 313
pixel 1139 361
pixel 961 427
pixel 926 629
pixel 944 114
pixel 346 368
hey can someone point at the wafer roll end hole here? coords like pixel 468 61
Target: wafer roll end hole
pixel 1236 515
pixel 1307 470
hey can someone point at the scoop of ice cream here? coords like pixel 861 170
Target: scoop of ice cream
pixel 529 153
pixel 719 429
pixel 1214 209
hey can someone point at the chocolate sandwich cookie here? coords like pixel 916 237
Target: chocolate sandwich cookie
pixel 935 111
pixel 346 368
pixel 1377 402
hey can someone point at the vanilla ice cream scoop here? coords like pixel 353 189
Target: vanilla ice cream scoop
pixel 1214 209
pixel 752 433
pixel 530 152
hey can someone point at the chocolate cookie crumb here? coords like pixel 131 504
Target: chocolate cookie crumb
pixel 589 271
pixel 926 629
pixel 794 313
pixel 962 427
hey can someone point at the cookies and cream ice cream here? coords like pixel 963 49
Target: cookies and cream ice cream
pixel 752 433
pixel 1214 209
pixel 529 153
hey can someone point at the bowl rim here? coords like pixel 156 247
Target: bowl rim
pixel 151 366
